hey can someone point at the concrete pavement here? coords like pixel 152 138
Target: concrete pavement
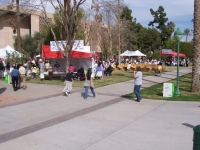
pixel 44 119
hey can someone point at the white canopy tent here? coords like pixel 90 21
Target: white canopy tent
pixel 138 53
pixel 132 53
pixel 127 53
pixel 10 50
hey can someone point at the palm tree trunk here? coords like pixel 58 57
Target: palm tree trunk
pixel 196 48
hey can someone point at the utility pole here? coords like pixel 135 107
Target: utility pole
pixel 119 36
pixel 18 27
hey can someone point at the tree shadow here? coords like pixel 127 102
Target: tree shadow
pixel 186 90
pixel 159 94
pixel 2 90
pixel 188 125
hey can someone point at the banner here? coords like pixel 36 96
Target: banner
pixel 166 51
pixel 77 46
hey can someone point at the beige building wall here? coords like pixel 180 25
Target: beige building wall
pixel 34 24
pixel 28 25
pixel 6 32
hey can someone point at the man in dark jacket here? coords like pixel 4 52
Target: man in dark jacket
pixel 15 76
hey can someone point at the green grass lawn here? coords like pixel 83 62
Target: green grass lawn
pixel 155 91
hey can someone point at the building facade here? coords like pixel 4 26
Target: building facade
pixel 29 24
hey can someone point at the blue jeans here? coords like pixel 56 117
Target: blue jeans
pixel 33 74
pixel 86 92
pixel 137 91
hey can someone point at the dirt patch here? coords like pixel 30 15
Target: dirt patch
pixel 6 99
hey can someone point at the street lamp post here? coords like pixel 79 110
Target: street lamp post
pixel 178 33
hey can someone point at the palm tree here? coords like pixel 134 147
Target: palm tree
pixel 196 49
pixel 171 27
pixel 186 33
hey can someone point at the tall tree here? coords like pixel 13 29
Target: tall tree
pixel 186 33
pixel 58 29
pixel 160 20
pixel 196 48
pixel 128 37
pixel 67 11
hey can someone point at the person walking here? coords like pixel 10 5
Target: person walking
pixel 138 83
pixel 22 72
pixel 68 83
pixel 89 83
pixel 15 76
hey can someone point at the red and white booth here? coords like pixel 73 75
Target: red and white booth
pixel 80 55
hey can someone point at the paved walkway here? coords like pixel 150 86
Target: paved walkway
pixel 44 119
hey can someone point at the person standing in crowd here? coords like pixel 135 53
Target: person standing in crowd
pixel 50 72
pixel 33 71
pixel 15 76
pixel 72 68
pixel 2 68
pixel 41 65
pixel 187 62
pixel 138 83
pixel 89 83
pixel 8 67
pixel 57 67
pixel 47 64
pixel 10 77
pixel 22 78
pixel 99 70
pixel 68 83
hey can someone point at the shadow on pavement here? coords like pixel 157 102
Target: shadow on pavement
pixel 2 90
pixel 188 125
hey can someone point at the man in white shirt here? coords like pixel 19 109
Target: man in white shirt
pixel 22 78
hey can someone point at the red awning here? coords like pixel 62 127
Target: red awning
pixel 47 53
pixel 172 54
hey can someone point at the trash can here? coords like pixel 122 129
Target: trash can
pixel 7 79
pixel 196 138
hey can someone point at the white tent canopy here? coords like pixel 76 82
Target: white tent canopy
pixel 138 53
pixel 132 53
pixel 127 53
pixel 10 50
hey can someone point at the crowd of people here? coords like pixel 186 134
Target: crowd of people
pixel 18 73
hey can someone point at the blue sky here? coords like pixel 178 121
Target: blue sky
pixel 178 11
